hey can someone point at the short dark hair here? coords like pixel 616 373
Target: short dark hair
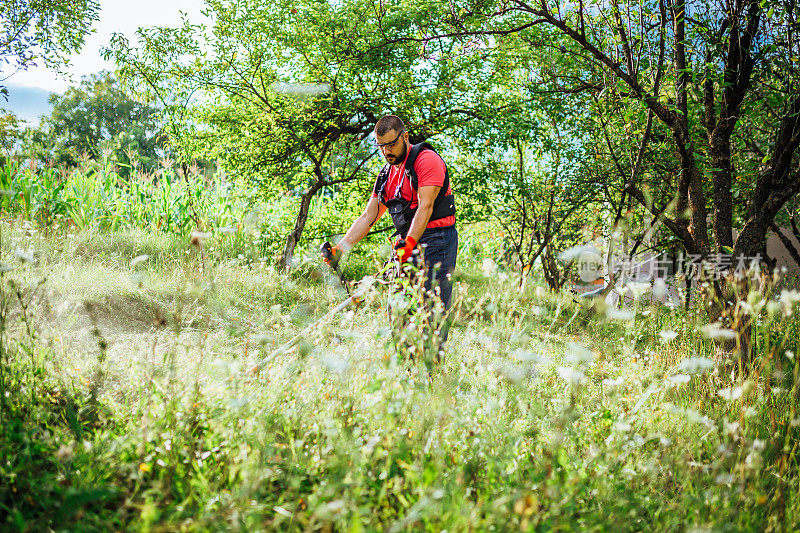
pixel 388 123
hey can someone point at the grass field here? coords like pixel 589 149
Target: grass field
pixel 125 404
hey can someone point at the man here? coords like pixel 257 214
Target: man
pixel 414 186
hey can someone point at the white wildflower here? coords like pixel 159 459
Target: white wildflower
pixel 488 267
pixel 337 365
pixel 512 373
pixel 753 460
pixel 716 332
pixel 335 506
pixel 262 338
pixel 638 288
pixel 139 259
pixel 570 375
pixel 530 357
pixel 730 394
pixel 667 335
pixel 696 365
pixel 732 428
pixel 66 452
pixel 697 418
pixel 577 354
pixel 773 307
pixel 788 299
pixel 370 445
pixel 25 256
pixel 725 479
pixel 622 427
pixel 619 314
pixel 678 379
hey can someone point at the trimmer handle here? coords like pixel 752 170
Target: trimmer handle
pixel 332 259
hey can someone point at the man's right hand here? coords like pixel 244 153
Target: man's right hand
pixel 331 254
pixel 404 247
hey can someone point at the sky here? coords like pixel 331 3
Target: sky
pixel 29 89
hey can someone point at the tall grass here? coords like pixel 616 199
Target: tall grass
pixel 133 412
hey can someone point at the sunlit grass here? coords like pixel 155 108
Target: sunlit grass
pixel 546 412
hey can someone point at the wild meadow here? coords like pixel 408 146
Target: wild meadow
pixel 126 332
pixel 160 233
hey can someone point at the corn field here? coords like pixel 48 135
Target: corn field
pixel 96 195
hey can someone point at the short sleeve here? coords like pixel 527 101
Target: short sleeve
pixel 430 169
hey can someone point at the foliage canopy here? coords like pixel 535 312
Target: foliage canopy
pixel 46 30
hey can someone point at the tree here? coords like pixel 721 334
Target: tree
pixel 537 190
pixel 9 134
pixel 95 117
pixel 291 90
pixel 46 30
pixel 720 77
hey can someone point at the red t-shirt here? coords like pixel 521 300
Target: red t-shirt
pixel 430 169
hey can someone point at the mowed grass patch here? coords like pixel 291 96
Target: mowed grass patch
pixel 137 276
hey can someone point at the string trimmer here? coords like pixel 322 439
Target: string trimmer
pixel 385 274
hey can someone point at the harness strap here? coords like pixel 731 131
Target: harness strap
pixel 443 206
pixel 412 158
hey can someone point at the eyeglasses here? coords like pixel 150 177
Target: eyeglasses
pixel 390 144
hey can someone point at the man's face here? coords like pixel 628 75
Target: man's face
pixel 393 146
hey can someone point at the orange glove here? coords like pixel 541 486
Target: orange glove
pixel 331 255
pixel 404 248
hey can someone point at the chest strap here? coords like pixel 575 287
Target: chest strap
pixel 400 210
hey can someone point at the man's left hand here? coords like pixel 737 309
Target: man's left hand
pixel 331 254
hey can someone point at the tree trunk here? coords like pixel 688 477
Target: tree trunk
pixel 292 239
pixel 555 278
pixel 738 71
pixel 730 291
pixel 723 199
pixel 688 301
pixel 787 243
